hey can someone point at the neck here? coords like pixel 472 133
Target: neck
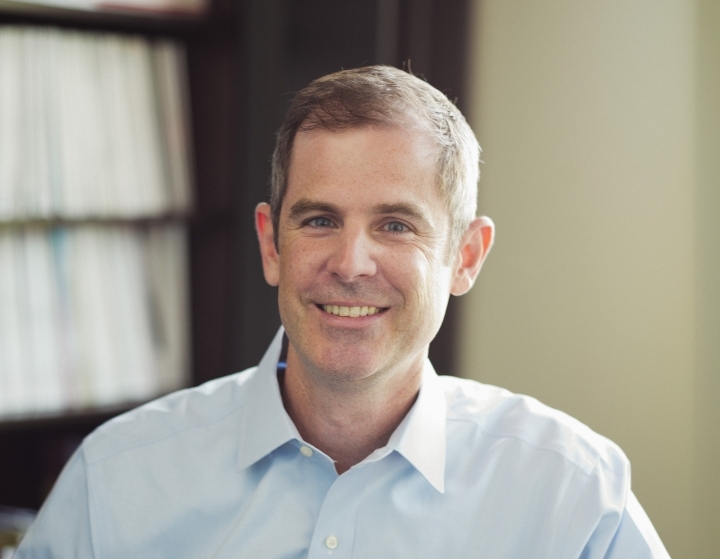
pixel 347 419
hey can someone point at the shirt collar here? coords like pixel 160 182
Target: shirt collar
pixel 265 425
pixel 420 437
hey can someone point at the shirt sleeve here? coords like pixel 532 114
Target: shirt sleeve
pixel 62 527
pixel 635 537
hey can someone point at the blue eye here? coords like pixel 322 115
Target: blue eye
pixel 396 227
pixel 320 222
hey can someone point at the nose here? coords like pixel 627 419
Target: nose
pixel 352 256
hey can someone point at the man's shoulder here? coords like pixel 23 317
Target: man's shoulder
pixel 200 407
pixel 504 415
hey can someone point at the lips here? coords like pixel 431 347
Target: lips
pixel 351 312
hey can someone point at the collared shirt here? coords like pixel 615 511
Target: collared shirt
pixel 220 471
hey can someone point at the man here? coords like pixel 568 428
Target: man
pixel 355 448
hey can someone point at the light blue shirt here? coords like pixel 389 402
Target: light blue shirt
pixel 220 471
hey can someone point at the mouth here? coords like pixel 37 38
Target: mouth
pixel 352 312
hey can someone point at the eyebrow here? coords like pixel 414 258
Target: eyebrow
pixel 402 208
pixel 305 206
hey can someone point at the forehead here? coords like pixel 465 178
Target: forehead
pixel 364 165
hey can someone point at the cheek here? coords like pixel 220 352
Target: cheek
pixel 423 279
pixel 298 266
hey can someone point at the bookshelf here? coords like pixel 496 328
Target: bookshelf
pixel 121 232
pixel 93 128
pixel 243 61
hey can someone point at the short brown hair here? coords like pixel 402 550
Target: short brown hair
pixel 385 96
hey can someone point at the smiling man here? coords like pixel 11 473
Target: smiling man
pixel 365 262
pixel 355 448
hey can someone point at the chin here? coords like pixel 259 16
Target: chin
pixel 340 363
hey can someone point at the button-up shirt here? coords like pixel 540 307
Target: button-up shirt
pixel 220 471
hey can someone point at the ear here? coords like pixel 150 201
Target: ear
pixel 474 248
pixel 266 238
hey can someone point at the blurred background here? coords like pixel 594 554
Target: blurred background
pixel 600 128
pixel 600 125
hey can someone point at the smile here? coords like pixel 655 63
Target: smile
pixel 350 311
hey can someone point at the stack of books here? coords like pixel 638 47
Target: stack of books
pixel 94 157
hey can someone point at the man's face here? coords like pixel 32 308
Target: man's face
pixel 362 269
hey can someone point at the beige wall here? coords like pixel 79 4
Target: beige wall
pixel 707 319
pixel 586 112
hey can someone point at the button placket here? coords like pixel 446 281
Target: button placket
pixel 335 528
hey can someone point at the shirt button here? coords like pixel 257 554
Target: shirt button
pixel 331 542
pixel 306 451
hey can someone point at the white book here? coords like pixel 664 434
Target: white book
pixel 96 147
pixel 96 376
pixel 10 119
pixel 151 189
pixel 121 172
pixel 21 381
pixel 167 273
pixel 43 357
pixel 11 76
pixel 4 338
pixel 36 89
pixel 66 77
pixel 110 378
pixel 132 315
pixel 101 204
pixel 67 317
pixel 24 186
pixel 117 76
pixel 28 192
pixel 173 102
pixel 81 127
pixel 53 69
pixel 10 339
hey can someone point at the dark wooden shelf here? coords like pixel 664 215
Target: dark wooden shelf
pixel 146 23
pixel 67 222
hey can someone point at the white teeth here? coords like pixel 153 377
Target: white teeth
pixel 350 311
